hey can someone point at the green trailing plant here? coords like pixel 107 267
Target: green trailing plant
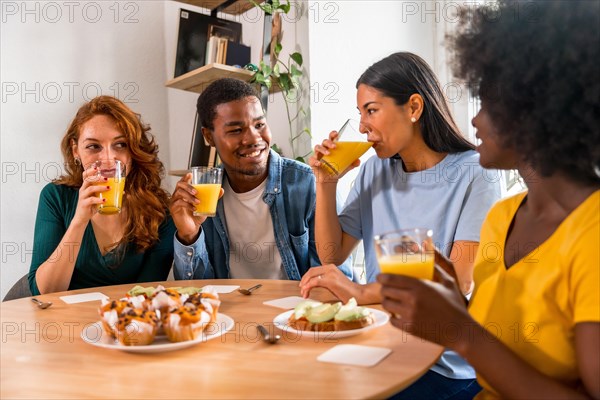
pixel 285 75
pixel 271 7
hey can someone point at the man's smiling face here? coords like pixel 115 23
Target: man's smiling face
pixel 241 136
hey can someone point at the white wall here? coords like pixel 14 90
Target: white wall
pixel 54 57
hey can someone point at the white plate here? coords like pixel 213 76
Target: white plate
pixel 281 322
pixel 95 335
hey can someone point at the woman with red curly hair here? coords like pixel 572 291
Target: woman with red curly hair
pixel 74 246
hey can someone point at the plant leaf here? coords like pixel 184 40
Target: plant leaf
pixel 258 77
pixel 277 149
pixel 284 82
pixel 295 80
pixel 276 71
pixel 297 57
pixel 267 82
pixel 295 72
pixel 266 7
pixel 278 48
pixel 285 7
pixel 292 96
pixel 266 70
pixel 301 159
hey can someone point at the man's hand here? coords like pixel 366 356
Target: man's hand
pixel 183 204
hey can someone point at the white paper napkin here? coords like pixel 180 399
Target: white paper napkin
pixel 81 298
pixel 354 354
pixel 286 303
pixel 221 288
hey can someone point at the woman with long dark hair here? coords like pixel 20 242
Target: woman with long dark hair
pixel 76 247
pixel 425 175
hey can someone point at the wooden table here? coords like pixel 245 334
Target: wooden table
pixel 43 355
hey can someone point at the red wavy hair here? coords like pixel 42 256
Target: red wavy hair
pixel 143 183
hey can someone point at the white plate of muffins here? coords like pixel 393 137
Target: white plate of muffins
pixel 95 335
pixel 151 320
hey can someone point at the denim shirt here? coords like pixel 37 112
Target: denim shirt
pixel 290 194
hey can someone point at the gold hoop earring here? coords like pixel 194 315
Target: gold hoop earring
pixel 77 161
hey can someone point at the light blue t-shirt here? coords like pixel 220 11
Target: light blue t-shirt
pixel 452 198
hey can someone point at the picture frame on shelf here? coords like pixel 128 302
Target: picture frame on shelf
pixel 201 153
pixel 224 31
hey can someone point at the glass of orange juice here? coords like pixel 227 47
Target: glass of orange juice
pixel 349 146
pixel 114 172
pixel 406 252
pixel 207 182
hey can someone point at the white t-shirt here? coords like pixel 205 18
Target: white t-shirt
pixel 253 252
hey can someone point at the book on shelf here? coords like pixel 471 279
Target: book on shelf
pixel 223 51
pixel 211 50
pixel 216 48
pixel 195 30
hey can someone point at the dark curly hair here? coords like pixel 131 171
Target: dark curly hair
pixel 143 184
pixel 403 74
pixel 218 92
pixel 536 66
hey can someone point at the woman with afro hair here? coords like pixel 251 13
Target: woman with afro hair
pixel 532 329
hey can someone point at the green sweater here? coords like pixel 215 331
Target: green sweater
pixel 56 210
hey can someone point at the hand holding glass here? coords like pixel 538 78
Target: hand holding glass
pixel 114 172
pixel 349 146
pixel 406 252
pixel 207 182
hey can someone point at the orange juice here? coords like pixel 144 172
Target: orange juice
pixel 344 154
pixel 113 196
pixel 416 265
pixel 208 194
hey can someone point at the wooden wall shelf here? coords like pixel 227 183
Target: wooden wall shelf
pixel 198 79
pixel 236 8
pixel 178 172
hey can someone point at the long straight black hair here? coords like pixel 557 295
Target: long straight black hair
pixel 401 75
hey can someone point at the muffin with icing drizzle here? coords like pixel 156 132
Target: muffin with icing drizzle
pixel 186 322
pixel 136 327
pixel 111 309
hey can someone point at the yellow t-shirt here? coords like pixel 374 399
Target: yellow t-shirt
pixel 534 305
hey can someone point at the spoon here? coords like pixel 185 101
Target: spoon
pixel 267 338
pixel 249 290
pixel 41 304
